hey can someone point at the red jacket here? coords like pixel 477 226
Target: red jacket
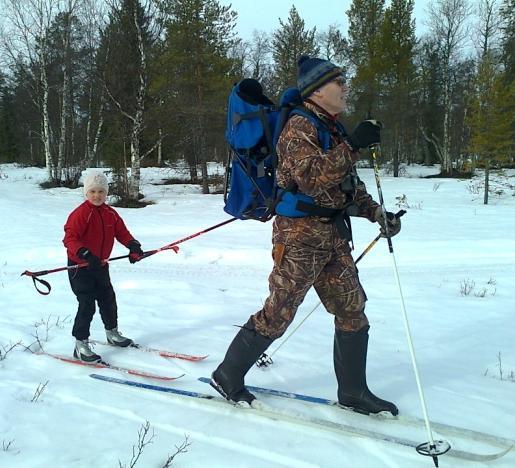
pixel 94 227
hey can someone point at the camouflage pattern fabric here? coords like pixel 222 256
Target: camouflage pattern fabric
pixel 309 251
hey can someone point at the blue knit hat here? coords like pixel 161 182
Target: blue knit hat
pixel 313 73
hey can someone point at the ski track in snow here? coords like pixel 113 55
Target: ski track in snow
pixel 267 455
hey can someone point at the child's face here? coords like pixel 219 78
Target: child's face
pixel 96 196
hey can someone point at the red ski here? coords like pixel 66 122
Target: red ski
pixel 161 352
pixel 106 365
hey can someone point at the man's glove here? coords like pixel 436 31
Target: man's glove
pixel 135 251
pixel 94 263
pixel 365 134
pixel 394 223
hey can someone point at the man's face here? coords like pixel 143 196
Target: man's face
pixel 333 95
pixel 97 196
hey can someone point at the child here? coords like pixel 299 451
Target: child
pixel 89 237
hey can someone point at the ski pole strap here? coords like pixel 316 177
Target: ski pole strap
pixel 46 284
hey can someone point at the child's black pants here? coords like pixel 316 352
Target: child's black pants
pixel 90 286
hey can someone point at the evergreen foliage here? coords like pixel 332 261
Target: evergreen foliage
pixel 8 149
pixel 365 22
pixel 289 42
pixel 196 74
pixel 491 117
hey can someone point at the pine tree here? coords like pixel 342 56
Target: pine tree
pixel 507 12
pixel 365 21
pixel 289 42
pixel 8 150
pixel 397 43
pixel 491 118
pixel 197 72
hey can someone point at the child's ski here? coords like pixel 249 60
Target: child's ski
pixel 161 352
pixel 106 365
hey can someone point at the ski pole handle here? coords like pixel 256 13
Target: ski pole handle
pixel 374 242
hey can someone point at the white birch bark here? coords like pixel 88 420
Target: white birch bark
pixel 135 176
pixel 447 19
pixel 65 103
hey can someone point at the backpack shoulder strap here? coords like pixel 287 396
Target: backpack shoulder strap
pixel 324 134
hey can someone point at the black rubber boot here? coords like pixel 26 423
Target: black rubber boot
pixel 243 352
pixel 350 362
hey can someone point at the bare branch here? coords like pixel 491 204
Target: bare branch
pixel 7 349
pixel 145 437
pixel 183 448
pixel 39 391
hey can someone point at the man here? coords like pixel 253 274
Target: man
pixel 312 249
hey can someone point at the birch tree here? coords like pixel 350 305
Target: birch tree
pixel 95 93
pixel 126 44
pixel 448 25
pixel 24 39
pixel 41 38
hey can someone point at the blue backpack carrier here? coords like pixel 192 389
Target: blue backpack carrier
pixel 254 124
pixel 250 187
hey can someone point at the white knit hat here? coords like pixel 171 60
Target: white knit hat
pixel 95 179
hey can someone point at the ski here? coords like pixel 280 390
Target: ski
pixel 412 421
pixel 106 365
pixel 161 352
pixel 297 419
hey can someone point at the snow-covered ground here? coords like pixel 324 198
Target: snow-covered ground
pixel 456 260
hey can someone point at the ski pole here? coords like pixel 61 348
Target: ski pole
pixel 374 242
pixel 34 274
pixel 427 448
pixel 172 246
pixel 265 360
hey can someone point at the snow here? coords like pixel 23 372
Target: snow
pixel 190 302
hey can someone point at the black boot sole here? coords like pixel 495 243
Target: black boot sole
pixel 367 412
pixel 247 401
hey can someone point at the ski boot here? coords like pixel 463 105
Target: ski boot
pixel 83 352
pixel 115 338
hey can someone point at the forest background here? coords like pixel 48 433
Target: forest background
pixel 129 83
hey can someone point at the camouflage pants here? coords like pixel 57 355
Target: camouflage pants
pixel 300 265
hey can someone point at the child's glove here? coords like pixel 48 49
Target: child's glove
pixel 135 251
pixel 94 263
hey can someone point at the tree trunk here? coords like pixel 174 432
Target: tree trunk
pixel 160 149
pixel 487 180
pixel 49 162
pixel 202 150
pixel 446 143
pixel 205 176
pixel 91 150
pixel 137 127
pixel 396 154
pixel 135 176
pixel 64 119
pixel 192 166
